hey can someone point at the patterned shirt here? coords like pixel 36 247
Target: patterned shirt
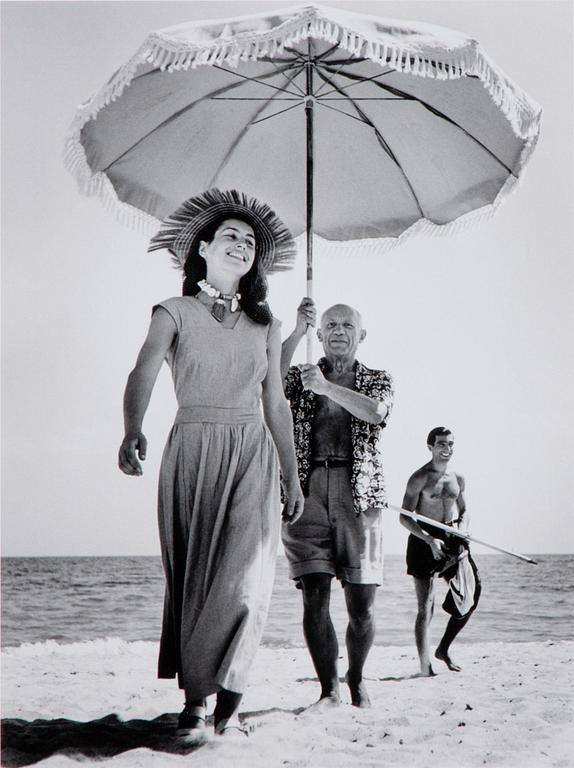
pixel 367 479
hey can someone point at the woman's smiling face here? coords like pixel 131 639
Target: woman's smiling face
pixel 232 248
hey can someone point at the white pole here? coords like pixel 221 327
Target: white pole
pixel 455 532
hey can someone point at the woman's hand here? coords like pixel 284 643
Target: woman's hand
pixel 132 447
pixel 293 507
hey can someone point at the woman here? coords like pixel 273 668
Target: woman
pixel 218 504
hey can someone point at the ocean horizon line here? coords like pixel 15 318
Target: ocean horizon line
pixel 279 555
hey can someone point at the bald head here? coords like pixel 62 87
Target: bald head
pixel 343 309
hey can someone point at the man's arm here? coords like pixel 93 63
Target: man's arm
pixel 463 516
pixel 410 503
pixel 306 316
pixel 139 388
pixel 361 406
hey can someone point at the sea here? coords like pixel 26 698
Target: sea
pixel 80 599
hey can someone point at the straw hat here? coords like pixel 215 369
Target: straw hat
pixel 274 245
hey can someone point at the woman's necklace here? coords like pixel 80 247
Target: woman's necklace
pixel 218 306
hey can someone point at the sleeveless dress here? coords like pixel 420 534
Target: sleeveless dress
pixel 218 502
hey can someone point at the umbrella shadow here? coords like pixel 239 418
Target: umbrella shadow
pixel 27 742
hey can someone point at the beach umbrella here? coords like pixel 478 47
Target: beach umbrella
pixel 352 127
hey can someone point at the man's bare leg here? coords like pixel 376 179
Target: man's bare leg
pixel 424 588
pixel 320 635
pixel 452 629
pixel 360 599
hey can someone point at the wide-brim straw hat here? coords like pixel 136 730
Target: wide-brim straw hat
pixel 274 245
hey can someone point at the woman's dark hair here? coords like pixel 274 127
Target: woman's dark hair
pixel 252 286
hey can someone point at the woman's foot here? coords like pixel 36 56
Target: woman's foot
pixel 191 721
pixel 225 717
pixel 231 727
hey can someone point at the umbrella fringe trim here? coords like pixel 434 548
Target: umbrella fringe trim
pixel 98 185
pixel 169 54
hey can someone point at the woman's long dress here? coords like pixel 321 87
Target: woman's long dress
pixel 218 504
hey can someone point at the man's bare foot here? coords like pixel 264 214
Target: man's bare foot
pixel 359 695
pixel 426 672
pixel 443 656
pixel 325 703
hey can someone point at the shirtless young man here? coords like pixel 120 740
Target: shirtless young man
pixel 436 492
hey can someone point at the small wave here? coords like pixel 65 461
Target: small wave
pixel 101 646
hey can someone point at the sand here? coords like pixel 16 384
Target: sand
pixel 511 705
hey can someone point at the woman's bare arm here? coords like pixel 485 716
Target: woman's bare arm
pixel 139 387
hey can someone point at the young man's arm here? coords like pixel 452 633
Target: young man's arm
pixel 463 516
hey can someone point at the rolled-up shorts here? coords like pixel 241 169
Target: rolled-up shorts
pixel 330 537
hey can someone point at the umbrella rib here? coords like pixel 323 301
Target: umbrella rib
pixel 242 133
pixel 324 85
pixel 363 120
pixel 364 98
pixel 183 110
pixel 278 98
pixel 324 55
pixel 359 80
pixel 381 140
pixel 434 111
pixel 281 111
pixel 279 70
pixel 342 112
pixel 274 64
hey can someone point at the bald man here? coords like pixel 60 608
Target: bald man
pixel 339 410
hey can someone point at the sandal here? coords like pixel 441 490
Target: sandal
pixel 190 721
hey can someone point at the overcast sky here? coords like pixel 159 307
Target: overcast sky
pixel 477 328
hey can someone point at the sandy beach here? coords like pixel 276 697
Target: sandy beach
pixel 511 705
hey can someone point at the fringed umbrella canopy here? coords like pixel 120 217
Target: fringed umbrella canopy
pixel 351 127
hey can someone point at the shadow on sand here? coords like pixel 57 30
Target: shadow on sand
pixel 27 742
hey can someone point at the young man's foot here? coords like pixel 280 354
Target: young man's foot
pixel 359 695
pixel 443 656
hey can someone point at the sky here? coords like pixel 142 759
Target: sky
pixel 476 328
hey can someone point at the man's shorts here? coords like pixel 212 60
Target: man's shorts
pixel 420 559
pixel 330 537
pixel 422 564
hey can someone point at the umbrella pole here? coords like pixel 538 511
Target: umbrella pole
pixel 454 532
pixel 309 114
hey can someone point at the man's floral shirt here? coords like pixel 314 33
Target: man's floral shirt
pixel 367 479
